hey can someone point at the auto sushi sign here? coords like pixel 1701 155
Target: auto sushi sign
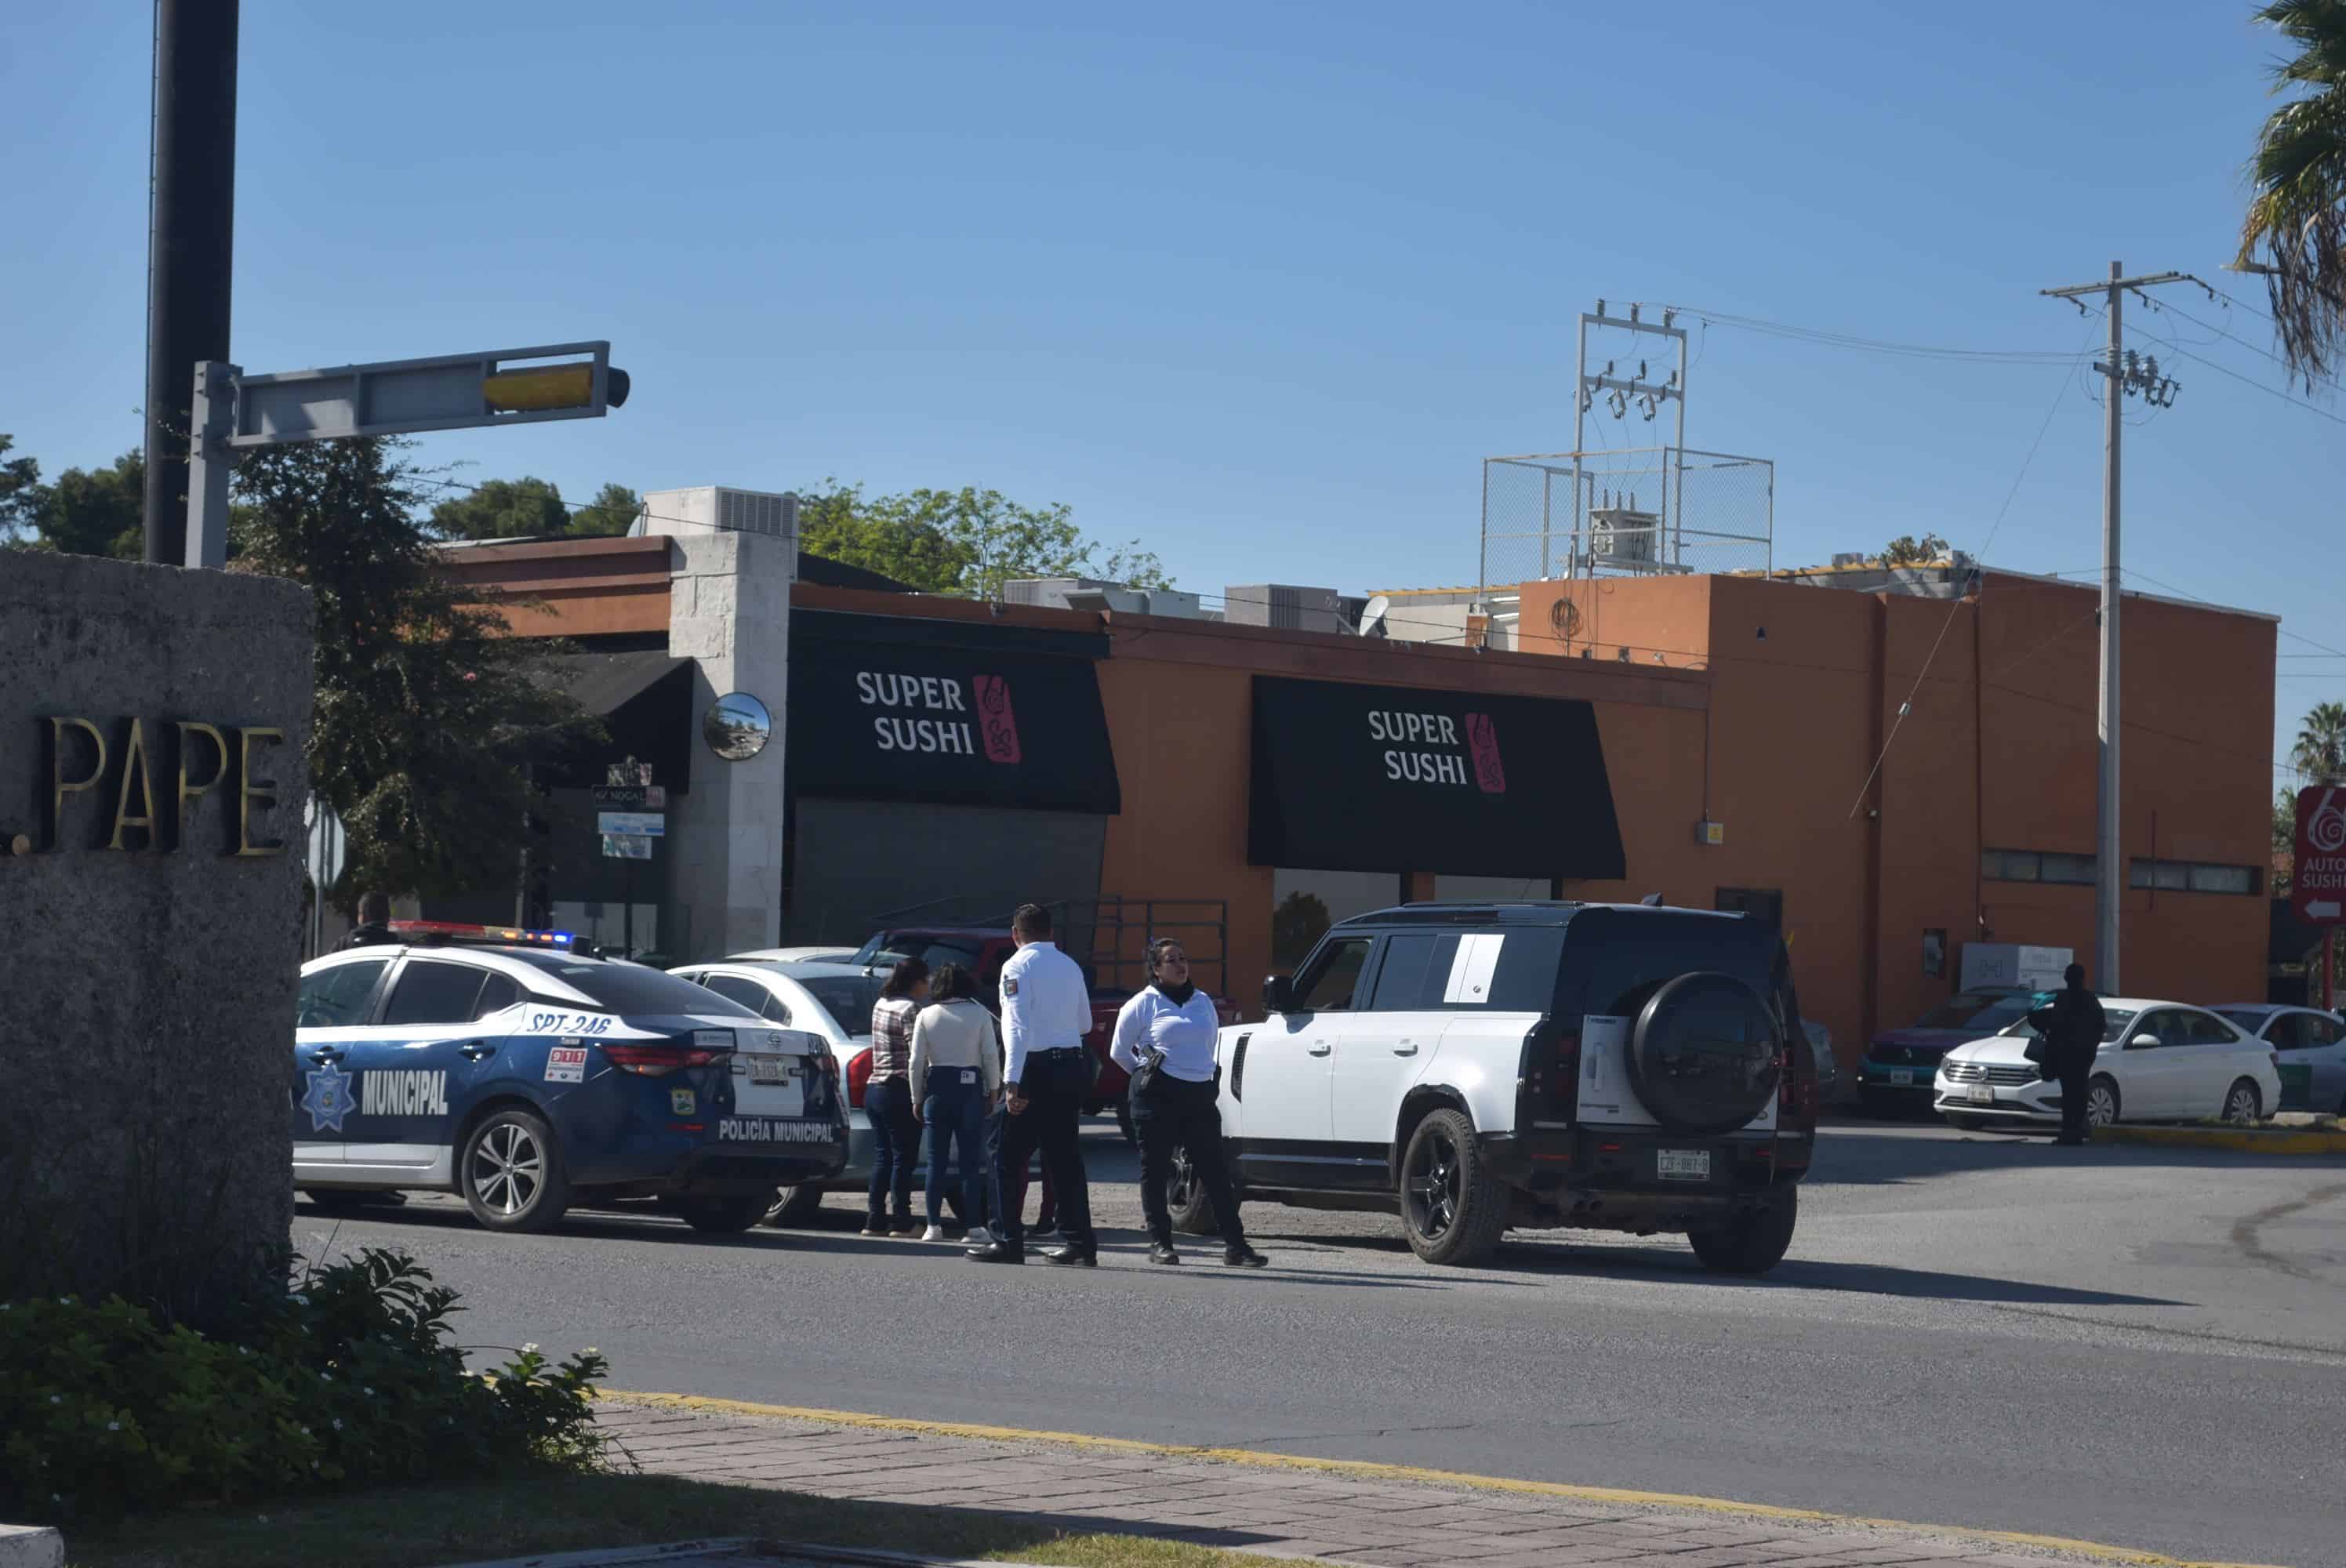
pixel 2317 881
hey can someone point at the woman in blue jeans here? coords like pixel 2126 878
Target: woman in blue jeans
pixel 956 1069
pixel 888 1100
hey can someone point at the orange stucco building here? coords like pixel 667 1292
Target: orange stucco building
pixel 1758 705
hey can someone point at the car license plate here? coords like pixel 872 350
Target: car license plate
pixel 1682 1165
pixel 1981 1094
pixel 1902 1076
pixel 767 1069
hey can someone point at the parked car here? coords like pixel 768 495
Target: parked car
pixel 2313 1047
pixel 795 955
pixel 1896 1076
pixel 1830 1089
pixel 528 1078
pixel 2159 1061
pixel 1477 1066
pixel 982 951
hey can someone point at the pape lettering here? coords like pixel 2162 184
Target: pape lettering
pixel 92 765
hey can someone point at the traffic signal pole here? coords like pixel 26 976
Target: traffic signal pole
pixel 192 225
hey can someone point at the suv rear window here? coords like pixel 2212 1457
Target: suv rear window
pixel 1617 958
pixel 632 988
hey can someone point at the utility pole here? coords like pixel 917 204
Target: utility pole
pixel 190 244
pixel 2128 376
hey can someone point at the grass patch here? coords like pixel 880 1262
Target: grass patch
pixel 413 1527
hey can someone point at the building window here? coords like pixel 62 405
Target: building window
pixel 2195 877
pixel 1768 904
pixel 2035 866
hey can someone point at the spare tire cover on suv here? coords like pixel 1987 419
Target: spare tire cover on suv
pixel 1703 1054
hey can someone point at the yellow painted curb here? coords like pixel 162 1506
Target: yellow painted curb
pixel 2305 1141
pixel 1372 1470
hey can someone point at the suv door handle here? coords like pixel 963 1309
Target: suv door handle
pixel 326 1053
pixel 1406 1048
pixel 473 1050
pixel 1322 1049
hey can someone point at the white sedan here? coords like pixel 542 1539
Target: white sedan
pixel 2159 1061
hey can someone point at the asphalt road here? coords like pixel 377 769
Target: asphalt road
pixel 2139 1347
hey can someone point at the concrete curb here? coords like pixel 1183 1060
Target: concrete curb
pixel 2246 1140
pixel 31 1546
pixel 610 1556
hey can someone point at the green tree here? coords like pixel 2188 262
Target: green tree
pixel 1908 551
pixel 426 712
pixel 2321 750
pixel 2284 841
pixel 20 491
pixel 92 511
pixel 1300 921
pixel 503 509
pixel 965 541
pixel 2295 230
pixel 613 511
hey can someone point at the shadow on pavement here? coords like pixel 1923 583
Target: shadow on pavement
pixel 1850 1156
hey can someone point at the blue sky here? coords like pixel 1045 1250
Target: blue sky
pixel 1259 285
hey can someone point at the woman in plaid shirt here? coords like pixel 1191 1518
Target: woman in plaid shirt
pixel 888 1100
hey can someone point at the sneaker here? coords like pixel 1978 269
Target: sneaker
pixel 875 1225
pixel 904 1227
pixel 979 1236
pixel 934 1233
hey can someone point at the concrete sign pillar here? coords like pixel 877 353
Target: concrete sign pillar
pixel 729 613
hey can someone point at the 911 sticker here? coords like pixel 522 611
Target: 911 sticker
pixel 566 1064
pixel 544 1022
pixel 773 1130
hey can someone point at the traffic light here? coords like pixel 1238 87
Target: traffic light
pixel 543 387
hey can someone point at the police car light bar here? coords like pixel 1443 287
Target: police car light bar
pixel 457 931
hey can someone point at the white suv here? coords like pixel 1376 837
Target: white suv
pixel 1483 1066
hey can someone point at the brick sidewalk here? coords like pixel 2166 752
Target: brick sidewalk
pixel 1390 1523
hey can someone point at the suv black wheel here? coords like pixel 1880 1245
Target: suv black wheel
pixel 510 1172
pixel 794 1204
pixel 723 1216
pixel 1753 1241
pixel 1452 1208
pixel 1186 1199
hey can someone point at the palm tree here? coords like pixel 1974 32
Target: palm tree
pixel 2321 750
pixel 2297 215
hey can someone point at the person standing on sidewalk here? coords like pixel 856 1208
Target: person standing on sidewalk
pixel 2072 1027
pixel 374 922
pixel 1047 1010
pixel 888 1100
pixel 957 1072
pixel 1169 1029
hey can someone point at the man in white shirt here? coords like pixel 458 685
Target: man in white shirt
pixel 1046 1011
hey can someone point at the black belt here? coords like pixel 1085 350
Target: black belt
pixel 1056 1050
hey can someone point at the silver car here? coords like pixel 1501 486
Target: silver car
pixel 2303 1037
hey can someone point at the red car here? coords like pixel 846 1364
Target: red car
pixel 982 951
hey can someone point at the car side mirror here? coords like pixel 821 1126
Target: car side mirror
pixel 1278 994
pixel 2143 1042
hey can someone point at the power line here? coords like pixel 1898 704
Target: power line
pixel 1875 345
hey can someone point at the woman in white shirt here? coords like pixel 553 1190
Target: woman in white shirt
pixel 956 1069
pixel 1172 1022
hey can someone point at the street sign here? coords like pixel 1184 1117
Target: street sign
pixel 2317 881
pixel 449 391
pixel 637 824
pixel 632 796
pixel 626 847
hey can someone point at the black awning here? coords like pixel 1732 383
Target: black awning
pixel 1397 779
pixel 603 683
pixel 879 713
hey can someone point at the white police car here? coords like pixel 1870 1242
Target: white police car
pixel 501 1064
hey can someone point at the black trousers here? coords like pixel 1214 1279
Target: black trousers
pixel 2074 1078
pixel 1176 1113
pixel 1055 1086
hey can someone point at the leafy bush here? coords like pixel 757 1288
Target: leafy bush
pixel 349 1379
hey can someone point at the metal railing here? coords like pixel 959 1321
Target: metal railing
pixel 1626 511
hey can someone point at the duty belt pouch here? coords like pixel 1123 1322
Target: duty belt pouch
pixel 1144 1077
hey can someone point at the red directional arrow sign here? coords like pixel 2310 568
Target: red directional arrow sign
pixel 2318 882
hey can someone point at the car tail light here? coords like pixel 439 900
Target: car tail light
pixel 658 1058
pixel 1796 1092
pixel 1551 1068
pixel 859 1075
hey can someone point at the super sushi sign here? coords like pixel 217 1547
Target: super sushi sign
pixel 2318 882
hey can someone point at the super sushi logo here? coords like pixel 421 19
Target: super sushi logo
pixel 1426 749
pixel 936 714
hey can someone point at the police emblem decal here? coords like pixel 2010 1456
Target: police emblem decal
pixel 328 1099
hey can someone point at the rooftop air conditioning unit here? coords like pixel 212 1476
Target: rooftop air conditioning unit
pixel 1279 604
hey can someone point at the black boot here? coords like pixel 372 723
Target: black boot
pixel 1243 1256
pixel 1162 1252
pixel 1087 1256
pixel 995 1252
